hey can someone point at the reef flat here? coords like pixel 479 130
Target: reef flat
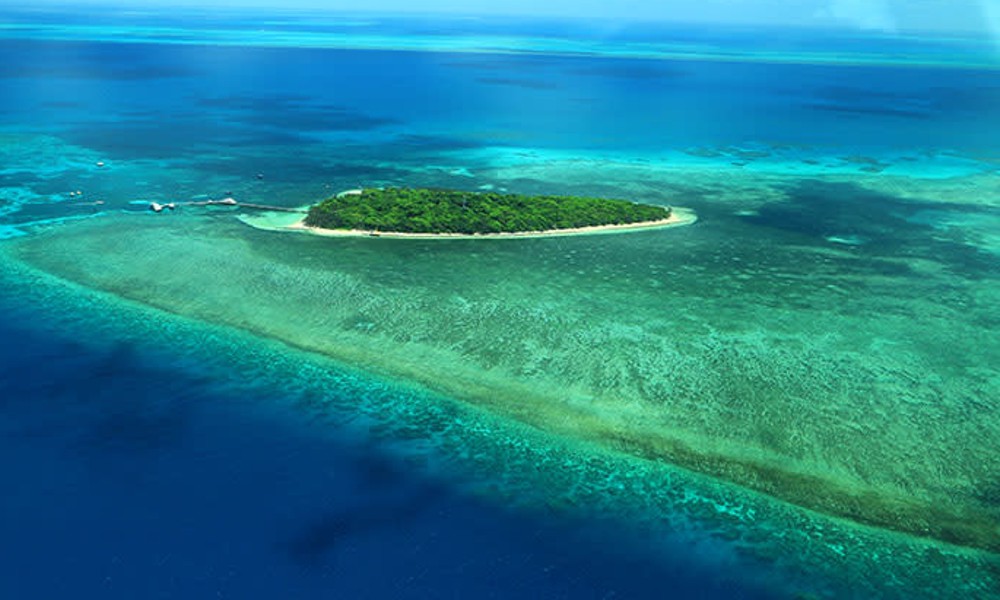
pixel 800 392
pixel 637 355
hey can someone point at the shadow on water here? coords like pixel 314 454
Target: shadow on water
pixel 877 225
pixel 389 510
pixel 110 400
pixel 979 92
pixel 392 496
pixel 83 61
pixel 294 113
pixel 137 139
pixel 180 489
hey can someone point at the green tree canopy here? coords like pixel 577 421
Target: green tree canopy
pixel 421 210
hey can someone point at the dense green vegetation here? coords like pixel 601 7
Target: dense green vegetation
pixel 450 211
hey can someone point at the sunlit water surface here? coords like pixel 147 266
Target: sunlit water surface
pixel 794 397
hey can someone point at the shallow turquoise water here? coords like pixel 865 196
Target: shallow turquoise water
pixel 817 351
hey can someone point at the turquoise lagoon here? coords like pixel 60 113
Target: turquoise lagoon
pixel 794 397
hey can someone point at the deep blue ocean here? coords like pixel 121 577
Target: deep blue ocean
pixel 129 473
pixel 128 478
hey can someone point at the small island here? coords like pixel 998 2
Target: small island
pixel 421 212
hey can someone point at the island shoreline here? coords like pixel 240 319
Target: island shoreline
pixel 678 217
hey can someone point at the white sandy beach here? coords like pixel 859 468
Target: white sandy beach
pixel 678 217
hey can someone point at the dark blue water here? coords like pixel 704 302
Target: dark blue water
pixel 148 100
pixel 128 474
pixel 125 477
pixel 314 120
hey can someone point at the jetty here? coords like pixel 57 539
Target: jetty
pixel 156 207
